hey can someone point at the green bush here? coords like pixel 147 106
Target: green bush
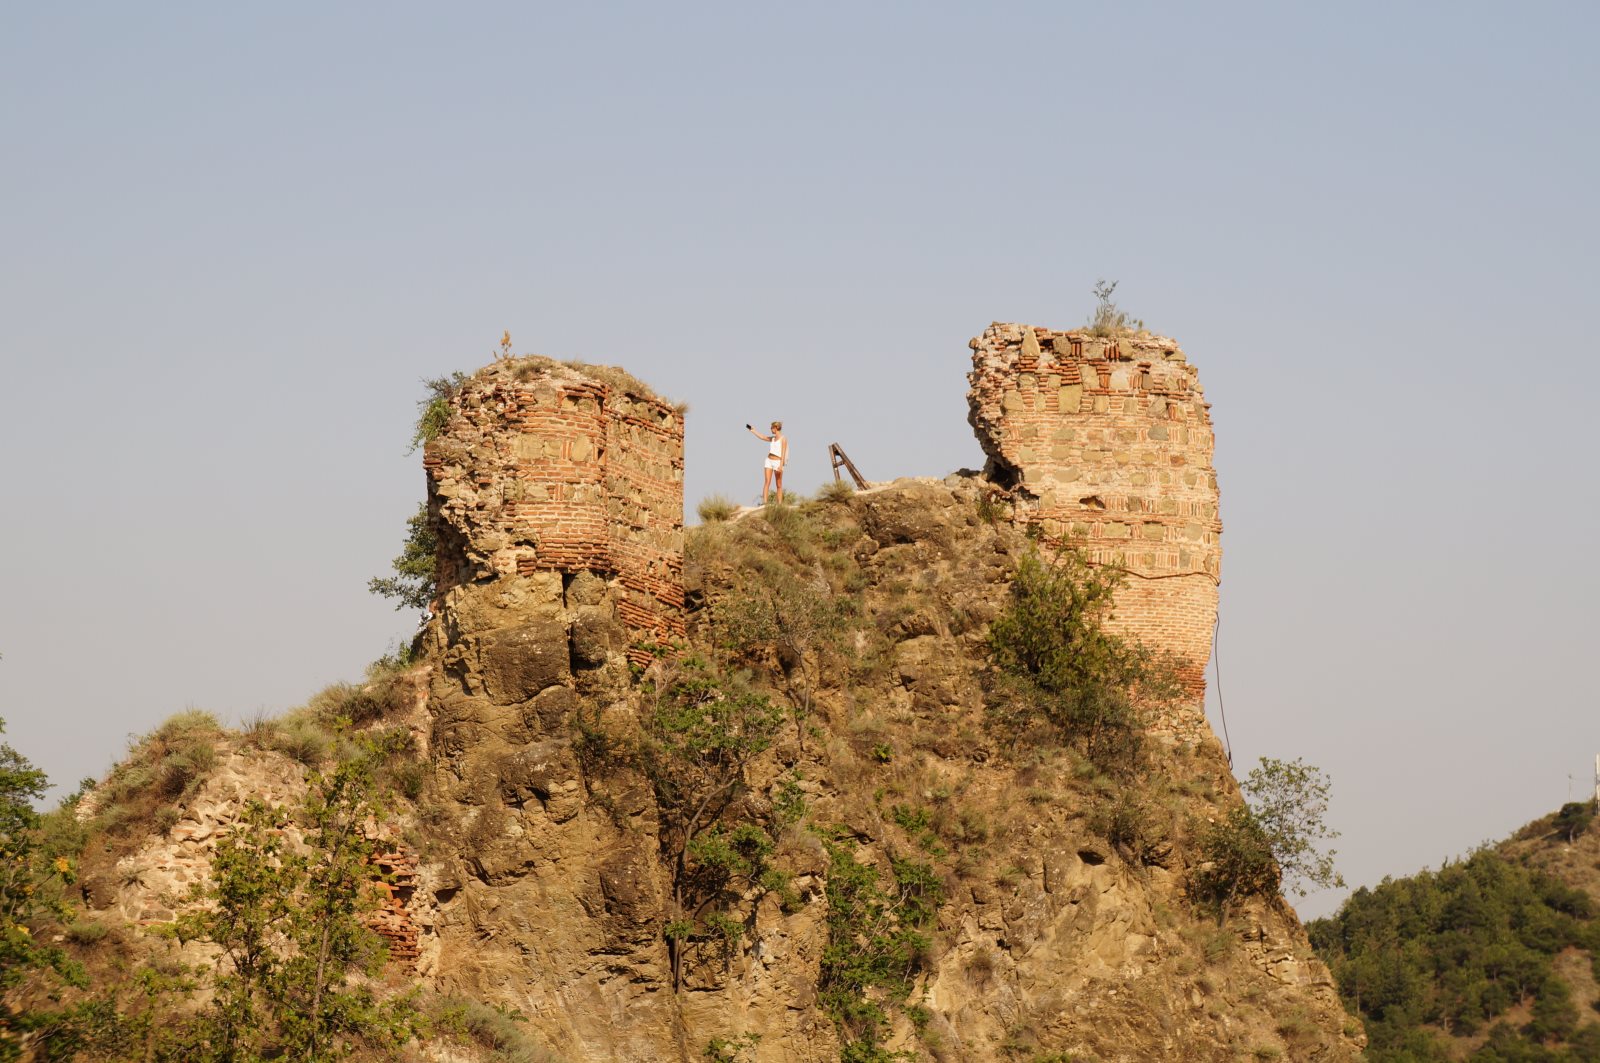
pixel 433 411
pixel 500 1030
pixel 304 738
pixel 1574 818
pixel 414 581
pixel 86 931
pixel 1130 824
pixel 732 1049
pixel 836 491
pixel 295 952
pixel 877 943
pixel 1091 685
pixel 991 509
pixel 701 731
pixel 714 509
pixel 1236 863
pixel 165 765
pixel 29 887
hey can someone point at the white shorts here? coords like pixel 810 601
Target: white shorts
pixel 775 464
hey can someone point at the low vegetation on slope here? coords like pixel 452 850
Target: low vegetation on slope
pixel 1492 958
pixel 271 954
pixel 899 726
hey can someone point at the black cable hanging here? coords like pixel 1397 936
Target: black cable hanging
pixel 1216 663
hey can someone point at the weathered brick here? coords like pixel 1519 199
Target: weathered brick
pixel 1146 449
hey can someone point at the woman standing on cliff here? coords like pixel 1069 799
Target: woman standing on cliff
pixel 777 458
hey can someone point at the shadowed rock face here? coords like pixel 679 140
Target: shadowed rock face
pixel 1106 442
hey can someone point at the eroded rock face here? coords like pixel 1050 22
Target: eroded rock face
pixel 1106 443
pixel 542 886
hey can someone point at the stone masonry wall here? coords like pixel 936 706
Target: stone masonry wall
pixel 550 467
pixel 1107 445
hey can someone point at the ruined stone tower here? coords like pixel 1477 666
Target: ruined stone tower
pixel 550 467
pixel 1107 443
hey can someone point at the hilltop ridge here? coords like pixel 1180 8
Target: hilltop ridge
pixel 762 790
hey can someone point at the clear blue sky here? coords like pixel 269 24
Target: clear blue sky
pixel 234 239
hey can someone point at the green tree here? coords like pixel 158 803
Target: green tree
pixel 1574 818
pixel 1251 850
pixel 877 941
pixel 26 913
pixel 289 919
pixel 1289 800
pixel 1087 682
pixel 701 732
pixel 1237 862
pixel 413 584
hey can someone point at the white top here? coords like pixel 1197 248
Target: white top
pixel 775 448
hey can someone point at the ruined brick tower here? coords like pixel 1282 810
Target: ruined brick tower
pixel 551 467
pixel 1107 443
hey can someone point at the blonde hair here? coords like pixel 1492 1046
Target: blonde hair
pixel 777 426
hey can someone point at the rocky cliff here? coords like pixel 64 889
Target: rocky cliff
pixel 892 858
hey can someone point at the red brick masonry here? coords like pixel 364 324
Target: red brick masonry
pixel 549 466
pixel 1108 443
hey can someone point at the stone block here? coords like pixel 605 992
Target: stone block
pixel 595 635
pixel 585 588
pixel 1069 398
pixel 519 662
pixel 1114 530
pixel 1155 531
pixel 545 771
pixel 1030 344
pixel 550 713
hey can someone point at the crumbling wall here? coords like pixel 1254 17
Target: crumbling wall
pixel 545 466
pixel 1107 442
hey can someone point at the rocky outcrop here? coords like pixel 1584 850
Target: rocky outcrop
pixel 539 883
pixel 1050 939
